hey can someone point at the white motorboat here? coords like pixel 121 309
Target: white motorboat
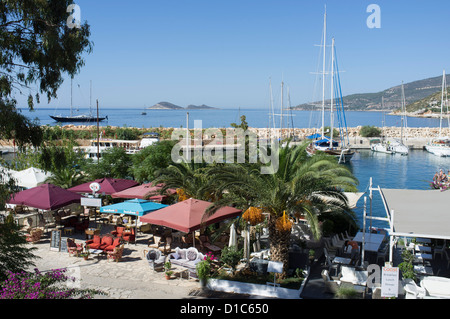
pixel 381 147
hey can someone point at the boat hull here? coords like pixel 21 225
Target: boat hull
pixel 343 155
pixel 380 148
pixel 77 118
pixel 441 151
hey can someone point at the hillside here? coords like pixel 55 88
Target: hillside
pixel 170 106
pixel 431 103
pixel 414 91
pixel 200 107
pixel 165 106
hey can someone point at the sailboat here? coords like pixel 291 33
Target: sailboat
pixel 77 118
pixel 397 146
pixel 383 146
pixel 440 146
pixel 326 144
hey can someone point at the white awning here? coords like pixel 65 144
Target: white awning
pixel 353 198
pixel 419 213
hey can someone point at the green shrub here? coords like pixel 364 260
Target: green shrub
pixel 231 256
pixel 369 131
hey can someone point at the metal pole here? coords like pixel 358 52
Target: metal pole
pixel 98 137
pixel 364 232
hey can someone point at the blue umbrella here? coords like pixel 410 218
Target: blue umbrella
pixel 133 207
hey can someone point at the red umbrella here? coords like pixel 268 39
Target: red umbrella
pixel 188 215
pixel 107 185
pixel 142 191
pixel 45 196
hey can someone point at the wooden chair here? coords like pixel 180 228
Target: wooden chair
pixel 116 254
pixel 74 248
pixel 34 236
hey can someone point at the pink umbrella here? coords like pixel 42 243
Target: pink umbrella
pixel 142 191
pixel 107 185
pixel 188 215
pixel 45 196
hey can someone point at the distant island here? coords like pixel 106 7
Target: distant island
pixel 170 106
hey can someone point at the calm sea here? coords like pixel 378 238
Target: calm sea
pixel 414 171
pixel 224 117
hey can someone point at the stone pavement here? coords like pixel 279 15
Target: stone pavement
pixel 130 278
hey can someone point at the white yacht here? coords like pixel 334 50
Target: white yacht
pixel 440 146
pixel 96 148
pixel 382 147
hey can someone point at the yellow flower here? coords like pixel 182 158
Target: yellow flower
pixel 253 215
pixel 181 195
pixel 283 223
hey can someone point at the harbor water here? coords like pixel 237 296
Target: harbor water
pixel 414 171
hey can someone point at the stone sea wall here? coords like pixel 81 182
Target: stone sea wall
pixel 390 132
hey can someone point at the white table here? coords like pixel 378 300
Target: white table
pixel 423 270
pixel 341 260
pixel 372 242
pixel 438 287
pixel 97 252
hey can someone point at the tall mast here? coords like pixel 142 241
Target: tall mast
pixel 403 112
pixel 71 96
pixel 323 70
pixel 281 114
pixel 271 111
pixel 90 99
pixel 332 94
pixel 442 103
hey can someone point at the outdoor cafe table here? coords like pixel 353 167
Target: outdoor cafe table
pixel 424 249
pixel 372 241
pixel 436 286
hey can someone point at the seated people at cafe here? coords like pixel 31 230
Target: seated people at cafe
pixel 354 254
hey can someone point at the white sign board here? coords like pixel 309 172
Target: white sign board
pixel 275 266
pixel 95 187
pixel 91 202
pixel 389 282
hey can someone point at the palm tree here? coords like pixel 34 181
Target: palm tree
pixel 188 178
pixel 67 177
pixel 302 185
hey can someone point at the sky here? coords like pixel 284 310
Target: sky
pixel 225 53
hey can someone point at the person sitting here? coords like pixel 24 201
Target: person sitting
pixel 354 254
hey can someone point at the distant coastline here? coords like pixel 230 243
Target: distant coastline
pixel 170 106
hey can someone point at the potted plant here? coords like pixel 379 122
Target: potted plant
pixel 203 272
pixel 167 271
pixel 85 255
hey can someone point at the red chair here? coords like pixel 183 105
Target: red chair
pixel 94 243
pixel 106 241
pixel 129 236
pixel 115 244
pixel 118 232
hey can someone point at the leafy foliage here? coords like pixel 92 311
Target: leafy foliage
pixel 369 131
pixel 151 159
pixel 15 254
pixel 37 46
pixel 114 163
pixel 38 285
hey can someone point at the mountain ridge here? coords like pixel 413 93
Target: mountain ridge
pixel 414 91
pixel 171 106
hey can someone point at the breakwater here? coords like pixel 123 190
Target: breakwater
pixel 414 137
